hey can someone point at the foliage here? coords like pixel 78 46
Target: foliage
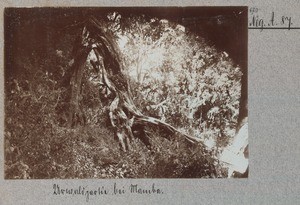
pixel 180 79
pixel 174 76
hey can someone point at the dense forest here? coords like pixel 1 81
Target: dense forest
pixel 122 93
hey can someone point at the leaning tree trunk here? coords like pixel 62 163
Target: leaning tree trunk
pixel 126 119
pixel 76 115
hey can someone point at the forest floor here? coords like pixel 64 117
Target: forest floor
pixel 92 151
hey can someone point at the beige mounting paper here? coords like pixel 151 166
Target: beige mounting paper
pixel 273 96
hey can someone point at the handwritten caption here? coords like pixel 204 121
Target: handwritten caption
pixel 116 189
pixel 272 21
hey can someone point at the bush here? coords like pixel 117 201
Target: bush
pixel 197 90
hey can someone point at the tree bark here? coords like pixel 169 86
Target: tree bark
pixel 126 119
pixel 76 115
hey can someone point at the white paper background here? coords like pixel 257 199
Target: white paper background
pixel 274 133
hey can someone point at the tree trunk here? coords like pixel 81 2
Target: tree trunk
pixel 76 115
pixel 126 119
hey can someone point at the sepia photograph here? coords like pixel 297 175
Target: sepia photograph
pixel 126 92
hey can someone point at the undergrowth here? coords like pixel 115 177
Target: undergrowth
pixel 38 147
